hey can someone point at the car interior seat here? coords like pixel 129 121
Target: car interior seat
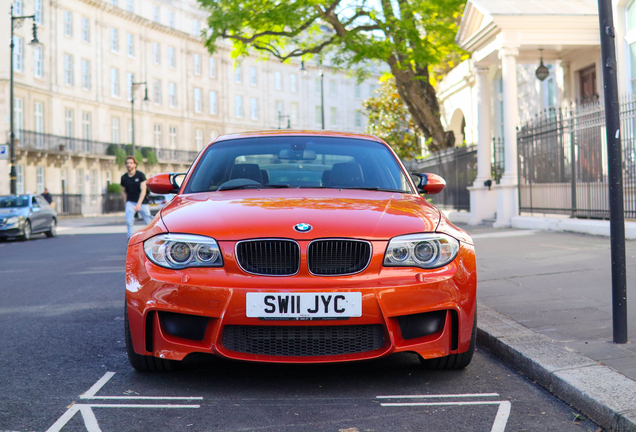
pixel 246 171
pixel 348 174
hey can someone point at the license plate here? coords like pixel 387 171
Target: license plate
pixel 304 305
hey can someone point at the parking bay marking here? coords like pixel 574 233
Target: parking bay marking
pixel 86 410
pixel 501 419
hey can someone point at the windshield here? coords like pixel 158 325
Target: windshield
pixel 298 161
pixel 14 201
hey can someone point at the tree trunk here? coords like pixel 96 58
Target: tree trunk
pixel 421 101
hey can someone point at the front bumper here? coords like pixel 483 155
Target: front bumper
pixel 173 313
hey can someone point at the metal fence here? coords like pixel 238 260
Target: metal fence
pixel 563 162
pixel 76 204
pixel 458 166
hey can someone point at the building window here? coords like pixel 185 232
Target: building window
pixel 238 106
pixel 130 78
pixel 333 88
pixel 39 178
pixel 68 123
pixel 38 11
pixel 172 94
pixel 38 117
pixel 171 21
pixel 114 82
pixel 114 40
pixel 156 87
pixel 334 116
pixel 114 130
pixel 197 64
pixel 630 38
pixel 357 90
pixel 18 54
pixel 130 6
pixel 86 74
pixel 293 113
pixel 254 108
pixel 20 179
pixel 68 23
pixel 18 117
pixel 212 67
pixel 278 81
pixel 372 88
pixel 238 74
pixel 130 45
pixel 358 118
pixel 86 33
pixel 173 137
pixel 114 3
pixel 37 62
pixel 213 102
pixel 293 87
pixel 156 53
pixel 68 69
pixel 172 61
pixel 279 110
pixel 318 114
pixel 198 103
pixel 155 13
pixel 195 28
pixel 17 8
pixel 198 139
pixel 253 80
pixel 86 126
pixel 158 136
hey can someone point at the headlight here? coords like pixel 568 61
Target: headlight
pixel 12 220
pixel 421 250
pixel 179 251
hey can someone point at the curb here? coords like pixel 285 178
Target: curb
pixel 604 395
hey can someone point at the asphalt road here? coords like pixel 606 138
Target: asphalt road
pixel 61 315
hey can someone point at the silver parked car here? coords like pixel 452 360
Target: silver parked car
pixel 24 215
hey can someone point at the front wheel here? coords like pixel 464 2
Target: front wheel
pixel 52 232
pixel 144 363
pixel 26 231
pixel 454 361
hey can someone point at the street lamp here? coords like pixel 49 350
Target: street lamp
pixel 132 109
pixel 322 90
pixel 12 173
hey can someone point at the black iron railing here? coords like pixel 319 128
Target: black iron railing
pixel 76 204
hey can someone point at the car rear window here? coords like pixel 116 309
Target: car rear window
pixel 298 161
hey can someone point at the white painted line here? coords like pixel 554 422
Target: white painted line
pixel 440 403
pixel 505 234
pixel 98 385
pixel 502 417
pixel 142 397
pixel 439 396
pixel 167 406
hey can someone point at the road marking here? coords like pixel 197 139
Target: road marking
pixel 86 410
pixel 501 419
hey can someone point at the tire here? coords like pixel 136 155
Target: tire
pixel 454 361
pixel 52 232
pixel 145 363
pixel 26 231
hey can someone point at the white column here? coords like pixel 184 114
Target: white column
pixel 482 198
pixel 507 194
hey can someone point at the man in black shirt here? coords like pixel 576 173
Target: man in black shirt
pixel 133 185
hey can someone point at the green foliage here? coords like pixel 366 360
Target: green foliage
pixel 111 150
pixel 114 188
pixel 415 38
pixel 150 156
pixel 120 156
pixel 390 120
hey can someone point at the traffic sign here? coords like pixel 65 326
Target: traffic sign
pixel 4 151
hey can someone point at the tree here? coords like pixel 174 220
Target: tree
pixel 389 119
pixel 415 38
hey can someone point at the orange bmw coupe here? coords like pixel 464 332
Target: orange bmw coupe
pixel 299 247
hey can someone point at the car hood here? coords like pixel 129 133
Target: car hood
pixel 238 215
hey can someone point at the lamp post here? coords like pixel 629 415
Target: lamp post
pixel 12 173
pixel 322 90
pixel 132 109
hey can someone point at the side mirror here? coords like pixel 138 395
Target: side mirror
pixel 166 183
pixel 430 183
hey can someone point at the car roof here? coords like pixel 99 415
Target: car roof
pixel 288 132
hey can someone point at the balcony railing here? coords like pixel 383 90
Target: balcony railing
pixel 40 142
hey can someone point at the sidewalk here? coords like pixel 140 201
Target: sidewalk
pixel 545 307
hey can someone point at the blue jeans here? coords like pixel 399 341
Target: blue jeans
pixel 130 215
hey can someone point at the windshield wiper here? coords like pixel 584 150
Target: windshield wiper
pixel 375 188
pixel 252 186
